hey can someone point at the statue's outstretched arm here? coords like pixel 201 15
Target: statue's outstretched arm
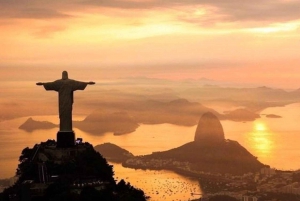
pixel 39 83
pixel 91 83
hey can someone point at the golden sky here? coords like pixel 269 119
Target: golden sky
pixel 233 40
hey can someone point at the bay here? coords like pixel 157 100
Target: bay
pixel 273 140
pixel 158 185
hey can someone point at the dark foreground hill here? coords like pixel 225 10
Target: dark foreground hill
pixel 78 173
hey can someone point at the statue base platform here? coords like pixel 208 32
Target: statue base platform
pixel 65 139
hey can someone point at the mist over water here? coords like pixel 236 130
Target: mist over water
pixel 145 140
pixel 273 140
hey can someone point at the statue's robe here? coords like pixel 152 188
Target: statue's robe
pixel 65 89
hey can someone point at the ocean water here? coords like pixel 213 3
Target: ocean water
pixel 158 185
pixel 275 141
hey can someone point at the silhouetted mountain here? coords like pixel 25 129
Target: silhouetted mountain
pixel 113 152
pixel 100 122
pixel 31 125
pixel 78 173
pixel 118 95
pixel 225 157
pixel 242 94
pixel 241 115
pixel 152 112
pixel 209 129
pixel 210 152
pixel 178 112
pixel 126 117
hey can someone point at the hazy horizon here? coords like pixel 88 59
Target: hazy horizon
pixel 241 42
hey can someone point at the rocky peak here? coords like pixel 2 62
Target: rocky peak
pixel 209 129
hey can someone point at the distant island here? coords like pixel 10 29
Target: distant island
pixel 100 122
pixel 30 125
pixel 123 95
pixel 241 115
pixel 97 122
pixel 113 152
pixel 146 112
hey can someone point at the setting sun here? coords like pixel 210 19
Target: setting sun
pixel 260 126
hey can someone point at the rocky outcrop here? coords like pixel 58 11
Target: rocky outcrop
pixel 209 129
pixel 209 152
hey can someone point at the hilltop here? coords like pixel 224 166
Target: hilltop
pixel 76 173
pixel 209 152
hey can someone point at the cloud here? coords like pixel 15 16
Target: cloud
pixel 261 10
pixel 40 13
pixel 228 11
pixel 33 10
pixel 32 13
pixel 48 31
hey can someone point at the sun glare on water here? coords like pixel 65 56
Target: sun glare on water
pixel 261 139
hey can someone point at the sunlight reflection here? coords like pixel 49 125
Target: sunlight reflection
pixel 261 139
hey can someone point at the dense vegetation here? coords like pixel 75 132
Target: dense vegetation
pixel 222 198
pixel 279 197
pixel 83 176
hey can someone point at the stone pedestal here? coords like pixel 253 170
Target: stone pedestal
pixel 65 139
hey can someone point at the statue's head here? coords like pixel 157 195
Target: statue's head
pixel 64 75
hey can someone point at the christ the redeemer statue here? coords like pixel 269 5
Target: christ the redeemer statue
pixel 65 88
